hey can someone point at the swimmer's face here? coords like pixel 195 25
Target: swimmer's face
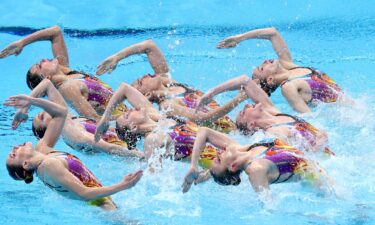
pixel 148 84
pixel 132 119
pixel 249 114
pixel 41 120
pixel 222 162
pixel 19 154
pixel 45 67
pixel 266 69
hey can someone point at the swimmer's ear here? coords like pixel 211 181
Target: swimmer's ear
pixel 134 128
pixel 251 126
pixel 148 95
pixel 26 165
pixel 270 80
pixel 233 167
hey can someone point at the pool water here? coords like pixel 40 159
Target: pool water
pixel 332 36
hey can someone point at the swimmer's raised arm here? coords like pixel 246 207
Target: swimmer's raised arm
pixel 176 109
pixel 45 88
pixel 87 139
pixel 253 91
pixel 271 34
pixel 52 34
pixel 56 111
pixel 148 47
pixel 134 97
pixel 57 172
pixel 204 135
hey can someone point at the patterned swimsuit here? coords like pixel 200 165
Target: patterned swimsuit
pixel 110 136
pixel 301 128
pixel 288 159
pixel 183 137
pixel 82 173
pixel 323 88
pixel 99 93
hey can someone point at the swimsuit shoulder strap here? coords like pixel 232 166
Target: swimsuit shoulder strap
pixel 82 117
pixel 265 143
pixel 300 77
pixel 78 72
pixel 185 86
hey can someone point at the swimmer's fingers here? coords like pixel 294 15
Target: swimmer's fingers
pixel 101 128
pixel 12 49
pixel 107 65
pixel 190 177
pixel 19 118
pixel 19 101
pixel 203 176
pixel 186 186
pixel 132 179
pixel 227 43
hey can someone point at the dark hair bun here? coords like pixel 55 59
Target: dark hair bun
pixel 29 179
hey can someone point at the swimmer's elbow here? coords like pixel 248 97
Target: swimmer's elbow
pixel 150 44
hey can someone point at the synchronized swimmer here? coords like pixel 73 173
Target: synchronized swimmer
pixel 188 125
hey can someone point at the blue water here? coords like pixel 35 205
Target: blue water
pixel 335 37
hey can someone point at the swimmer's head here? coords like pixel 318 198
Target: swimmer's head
pixel 44 69
pixel 150 86
pixel 18 163
pixel 40 123
pixel 265 73
pixel 224 170
pixel 247 117
pixel 129 126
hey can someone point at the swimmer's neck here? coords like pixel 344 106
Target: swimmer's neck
pixel 59 78
pixel 242 159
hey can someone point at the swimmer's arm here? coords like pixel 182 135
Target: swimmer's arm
pixel 55 126
pixel 44 88
pixel 271 34
pixel 58 172
pixel 173 108
pixel 205 135
pixel 215 114
pixel 294 99
pixel 153 142
pixel 252 90
pixel 54 35
pixel 321 140
pixel 73 95
pixel 87 139
pixel 134 97
pixel 148 47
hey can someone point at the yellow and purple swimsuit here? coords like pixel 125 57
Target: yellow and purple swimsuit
pixel 287 159
pixel 183 137
pixel 110 136
pixel 324 88
pixel 300 127
pixel 99 93
pixel 82 173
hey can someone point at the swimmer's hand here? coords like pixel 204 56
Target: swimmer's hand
pixel 101 128
pixel 20 117
pixel 14 48
pixel 18 101
pixel 108 65
pixel 190 177
pixel 203 177
pixel 132 179
pixel 229 42
pixel 203 101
